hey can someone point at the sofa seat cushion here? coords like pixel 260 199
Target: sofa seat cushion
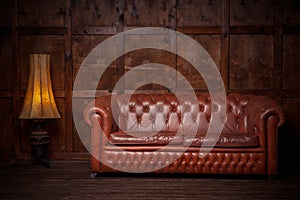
pixel 145 138
pixel 224 140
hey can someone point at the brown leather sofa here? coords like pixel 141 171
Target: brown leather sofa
pixel 148 135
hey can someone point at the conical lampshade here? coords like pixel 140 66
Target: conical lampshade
pixel 39 101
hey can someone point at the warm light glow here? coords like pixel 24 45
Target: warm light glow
pixel 39 101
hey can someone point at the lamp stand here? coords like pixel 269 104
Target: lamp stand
pixel 39 140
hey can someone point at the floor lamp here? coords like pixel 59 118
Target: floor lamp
pixel 39 104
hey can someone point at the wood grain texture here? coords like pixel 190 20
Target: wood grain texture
pixel 69 76
pixel 70 180
pixel 56 128
pixel 140 57
pixel 6 125
pixel 251 62
pixel 81 47
pixel 224 67
pixel 6 12
pixel 6 63
pixel 41 13
pixel 291 13
pixel 93 13
pixel 79 104
pixel 251 13
pixel 150 13
pixel 199 13
pixel 16 83
pixel 53 45
pixel 212 44
pixel 291 60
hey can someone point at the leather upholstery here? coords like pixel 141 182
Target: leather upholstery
pixel 224 140
pixel 249 134
pixel 146 138
pixel 189 162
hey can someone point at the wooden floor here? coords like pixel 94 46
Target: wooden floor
pixel 71 180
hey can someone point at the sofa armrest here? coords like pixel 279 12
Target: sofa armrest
pixel 265 107
pixel 260 110
pixel 98 112
pixel 269 116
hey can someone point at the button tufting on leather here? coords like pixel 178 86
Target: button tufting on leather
pixel 131 108
pixel 146 108
pixel 201 108
pixel 190 162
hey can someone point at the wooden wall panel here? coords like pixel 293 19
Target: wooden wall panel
pixel 53 45
pixel 199 13
pixel 212 44
pixel 150 13
pixel 289 137
pixel 41 13
pixel 251 62
pixel 251 13
pixel 291 60
pixel 6 12
pixel 291 15
pixel 292 107
pixel 254 43
pixel 82 45
pixel 93 13
pixel 80 104
pixel 6 126
pixel 56 128
pixel 6 63
pixel 137 58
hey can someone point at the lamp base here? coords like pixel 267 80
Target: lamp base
pixel 39 140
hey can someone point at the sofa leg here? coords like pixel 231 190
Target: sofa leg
pixel 94 175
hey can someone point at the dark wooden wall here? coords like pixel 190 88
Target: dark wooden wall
pixel 254 43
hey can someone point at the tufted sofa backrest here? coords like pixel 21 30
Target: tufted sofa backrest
pixel 163 112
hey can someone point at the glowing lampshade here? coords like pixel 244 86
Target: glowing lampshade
pixel 39 101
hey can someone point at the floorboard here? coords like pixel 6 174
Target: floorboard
pixel 71 180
